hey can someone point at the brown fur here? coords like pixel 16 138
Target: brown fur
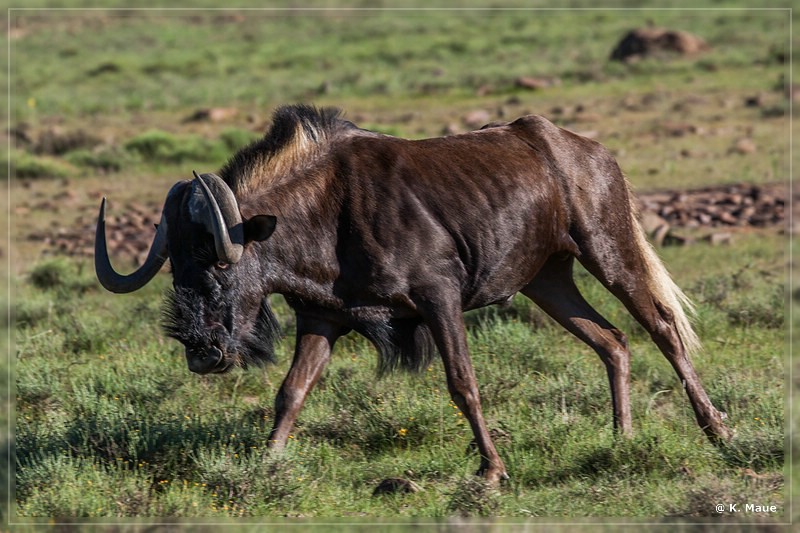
pixel 395 239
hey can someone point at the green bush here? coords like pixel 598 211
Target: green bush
pixel 61 274
pixel 235 139
pixel 26 166
pixel 161 147
pixel 104 160
pixel 152 144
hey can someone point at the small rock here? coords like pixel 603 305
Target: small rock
pixel 677 240
pixel 528 82
pixel 745 213
pixel 20 134
pixel 734 198
pixel 651 222
pixel 715 239
pixel 485 90
pixel 477 118
pixel 451 129
pixel 744 146
pixel 650 40
pixel 212 114
pixel 727 218
pixel 660 234
pixel 753 101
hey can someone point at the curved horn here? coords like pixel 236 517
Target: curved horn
pixel 119 283
pixel 222 218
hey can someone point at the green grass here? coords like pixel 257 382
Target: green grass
pixel 408 74
pixel 109 422
pixel 29 166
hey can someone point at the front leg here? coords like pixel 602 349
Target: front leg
pixel 312 351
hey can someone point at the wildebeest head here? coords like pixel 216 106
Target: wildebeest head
pixel 217 308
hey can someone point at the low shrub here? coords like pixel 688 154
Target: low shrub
pixel 27 166
pixel 161 147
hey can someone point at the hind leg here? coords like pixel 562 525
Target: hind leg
pixel 659 322
pixel 646 297
pixel 610 243
pixel 554 290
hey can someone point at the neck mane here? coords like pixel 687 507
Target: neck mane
pixel 299 135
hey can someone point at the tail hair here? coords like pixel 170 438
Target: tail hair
pixel 664 288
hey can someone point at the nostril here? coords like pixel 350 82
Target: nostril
pixel 215 354
pixel 205 360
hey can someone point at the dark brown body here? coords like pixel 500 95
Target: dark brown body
pixel 385 229
pixel 396 238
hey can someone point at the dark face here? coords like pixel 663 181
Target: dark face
pixel 218 311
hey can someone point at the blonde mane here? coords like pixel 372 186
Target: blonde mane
pixel 298 135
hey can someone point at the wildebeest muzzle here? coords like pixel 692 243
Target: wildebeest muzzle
pixel 206 360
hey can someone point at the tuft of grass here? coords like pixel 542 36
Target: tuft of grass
pixel 24 165
pixel 473 497
pixel 161 147
pixel 246 481
pixel 108 159
pixel 234 138
pixel 756 448
pixel 53 142
pixel 704 494
pixel 61 274
pixel 766 309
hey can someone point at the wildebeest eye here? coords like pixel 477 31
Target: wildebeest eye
pixel 221 265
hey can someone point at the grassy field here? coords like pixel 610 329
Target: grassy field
pixel 108 422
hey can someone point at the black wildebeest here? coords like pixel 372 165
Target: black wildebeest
pixel 394 239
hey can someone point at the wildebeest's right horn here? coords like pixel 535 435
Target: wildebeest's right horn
pixel 220 214
pixel 119 283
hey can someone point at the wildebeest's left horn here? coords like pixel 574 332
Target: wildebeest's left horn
pixel 120 283
pixel 222 217
pixel 155 257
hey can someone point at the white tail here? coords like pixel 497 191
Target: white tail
pixel 664 288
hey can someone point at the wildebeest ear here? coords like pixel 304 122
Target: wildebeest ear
pixel 259 228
